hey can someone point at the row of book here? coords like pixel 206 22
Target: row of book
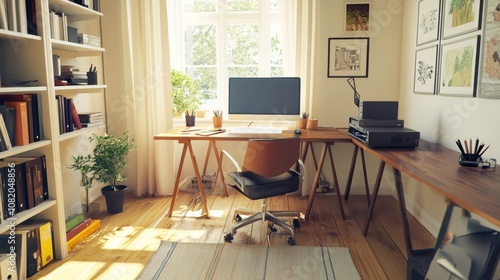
pixel 23 184
pixel 20 120
pixel 78 227
pixel 19 16
pixel 70 119
pixel 31 245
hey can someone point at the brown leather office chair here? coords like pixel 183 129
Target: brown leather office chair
pixel 271 167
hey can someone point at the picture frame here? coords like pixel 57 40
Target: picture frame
pixel 426 70
pixel 357 16
pixel 461 17
pixel 490 69
pixel 428 23
pixel 348 57
pixel 459 65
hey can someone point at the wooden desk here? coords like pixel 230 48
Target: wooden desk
pixel 328 136
pixel 435 166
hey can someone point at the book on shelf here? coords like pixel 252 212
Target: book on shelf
pixel 91 119
pixel 44 240
pixel 3 15
pixel 31 17
pixel 11 14
pixel 22 20
pixel 74 115
pixel 33 113
pixel 90 114
pixel 20 250
pixel 4 136
pixel 9 117
pixel 21 129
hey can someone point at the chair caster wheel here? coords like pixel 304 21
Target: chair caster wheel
pixel 238 218
pixel 273 228
pixel 228 237
pixel 291 241
pixel 296 223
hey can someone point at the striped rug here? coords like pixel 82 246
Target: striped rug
pixel 175 260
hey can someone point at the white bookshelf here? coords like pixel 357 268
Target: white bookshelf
pixel 26 57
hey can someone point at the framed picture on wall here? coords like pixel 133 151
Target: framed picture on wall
pixel 357 16
pixel 428 21
pixel 459 63
pixel 490 72
pixel 425 70
pixel 461 16
pixel 348 57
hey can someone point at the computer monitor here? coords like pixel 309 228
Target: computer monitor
pixel 264 98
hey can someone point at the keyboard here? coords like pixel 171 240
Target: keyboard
pixel 255 130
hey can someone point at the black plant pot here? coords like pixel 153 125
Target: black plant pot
pixel 114 199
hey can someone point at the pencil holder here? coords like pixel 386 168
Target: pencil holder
pixel 470 163
pixel 92 78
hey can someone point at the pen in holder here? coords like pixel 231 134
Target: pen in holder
pixel 92 78
pixel 470 160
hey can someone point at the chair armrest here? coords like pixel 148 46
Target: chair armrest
pixel 235 163
pixel 300 169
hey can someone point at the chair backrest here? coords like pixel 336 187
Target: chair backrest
pixel 271 157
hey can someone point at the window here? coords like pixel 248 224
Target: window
pixel 212 40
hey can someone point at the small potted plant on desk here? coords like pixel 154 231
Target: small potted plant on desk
pixel 105 165
pixel 303 120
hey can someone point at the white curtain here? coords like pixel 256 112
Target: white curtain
pixel 145 70
pixel 303 15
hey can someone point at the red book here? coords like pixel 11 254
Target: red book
pixel 74 115
pixel 79 228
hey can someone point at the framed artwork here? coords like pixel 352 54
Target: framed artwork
pixel 428 21
pixel 357 16
pixel 490 72
pixel 459 63
pixel 425 70
pixel 348 57
pixel 461 16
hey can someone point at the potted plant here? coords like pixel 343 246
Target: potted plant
pixel 105 165
pixel 185 93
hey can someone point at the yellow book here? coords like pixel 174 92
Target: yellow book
pixel 46 243
pixel 95 225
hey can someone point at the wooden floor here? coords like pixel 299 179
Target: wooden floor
pixel 123 245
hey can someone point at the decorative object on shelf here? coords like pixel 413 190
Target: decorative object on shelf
pixel 190 118
pixel 217 118
pixel 348 57
pixel 303 120
pixel 184 93
pixel 92 75
pixel 105 164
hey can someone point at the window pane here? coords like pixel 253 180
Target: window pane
pixel 276 45
pixel 207 78
pixel 201 46
pixel 243 44
pixel 243 71
pixel 274 5
pixel 198 6
pixel 242 5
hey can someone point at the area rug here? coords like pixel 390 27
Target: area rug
pixel 175 260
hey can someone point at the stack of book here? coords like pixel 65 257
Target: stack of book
pixel 90 119
pixel 76 76
pixel 78 228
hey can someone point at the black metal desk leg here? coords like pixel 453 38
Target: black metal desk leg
pixel 401 197
pixel 374 198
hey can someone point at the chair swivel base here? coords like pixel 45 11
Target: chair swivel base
pixel 271 216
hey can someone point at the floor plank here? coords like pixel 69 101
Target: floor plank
pixel 123 245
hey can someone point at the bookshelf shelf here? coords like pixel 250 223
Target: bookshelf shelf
pixel 82 50
pixel 73 9
pixel 23 149
pixel 26 214
pixel 7 34
pixel 22 89
pixel 81 88
pixel 82 132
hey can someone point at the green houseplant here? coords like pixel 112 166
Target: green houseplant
pixel 84 165
pixel 185 94
pixel 105 164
